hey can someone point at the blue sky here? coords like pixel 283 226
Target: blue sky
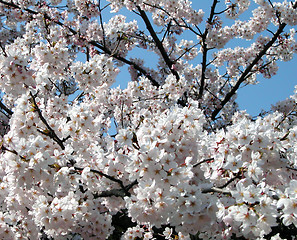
pixel 254 98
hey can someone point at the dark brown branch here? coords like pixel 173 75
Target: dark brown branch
pixel 167 31
pixel 203 161
pixel 220 189
pixel 294 169
pixel 112 193
pixel 49 131
pixel 284 137
pixel 11 4
pixel 238 175
pixel 186 26
pixel 88 53
pixel 119 192
pixel 186 51
pixel 248 70
pixel 158 43
pixel 6 109
pixel 205 49
pixel 287 114
pixel 124 60
pixel 218 13
pixel 101 24
pixel 215 190
pixel 102 175
pixel 3 50
pixel 276 12
pixel 3 148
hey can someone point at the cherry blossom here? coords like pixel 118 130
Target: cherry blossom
pixel 169 155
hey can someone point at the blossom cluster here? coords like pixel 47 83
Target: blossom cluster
pixel 176 9
pixel 170 155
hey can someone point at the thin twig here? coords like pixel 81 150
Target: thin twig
pixel 238 175
pixel 51 133
pixel 186 26
pixel 203 161
pixel 125 189
pixel 286 115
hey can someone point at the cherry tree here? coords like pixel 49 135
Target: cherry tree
pixel 170 156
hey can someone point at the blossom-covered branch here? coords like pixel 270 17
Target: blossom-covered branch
pixel 249 68
pixel 158 43
pixel 48 131
pixel 168 154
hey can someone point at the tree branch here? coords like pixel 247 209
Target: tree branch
pixel 124 60
pixel 117 192
pixel 205 49
pixel 51 133
pixel 203 161
pixel 6 109
pixel 215 190
pixel 124 191
pixel 158 43
pixel 247 71
pixel 186 26
pixel 291 168
pixel 238 175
